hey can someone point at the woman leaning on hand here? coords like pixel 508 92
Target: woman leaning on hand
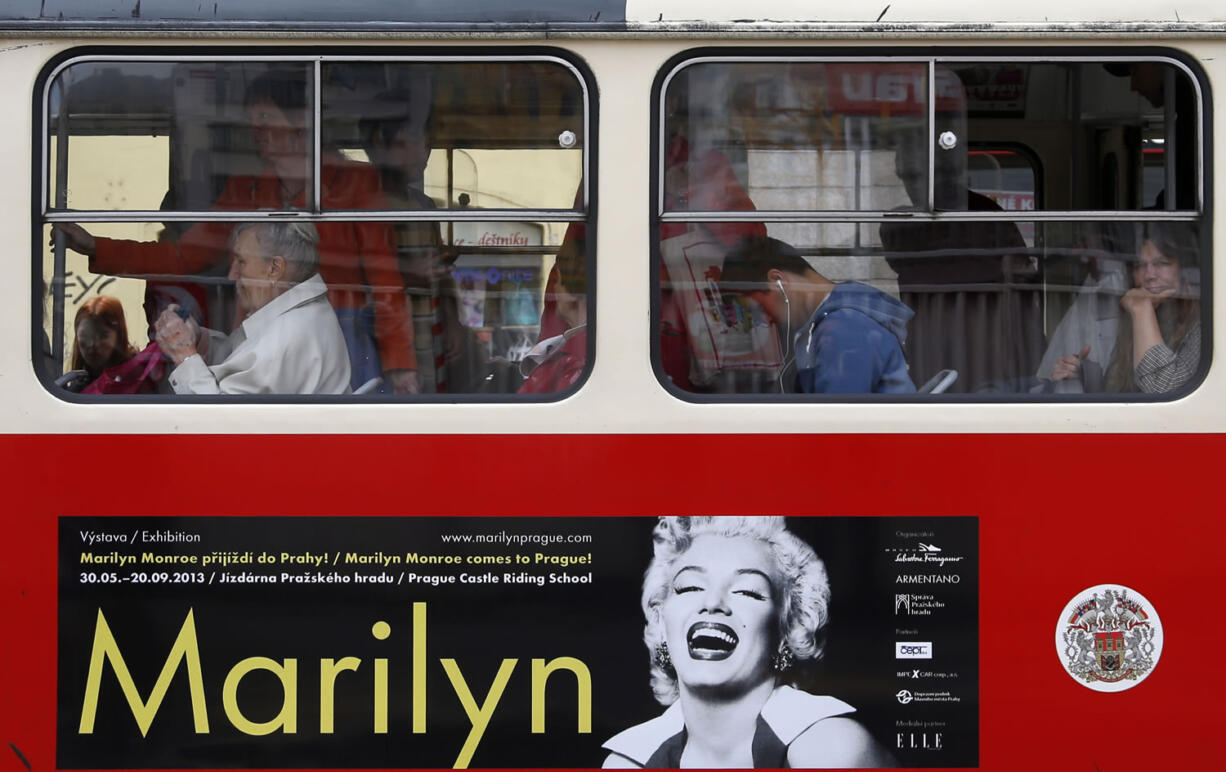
pixel 1158 349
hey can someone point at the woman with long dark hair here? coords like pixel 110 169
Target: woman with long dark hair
pixel 1158 349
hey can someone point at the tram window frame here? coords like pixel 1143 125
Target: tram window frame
pixel 581 215
pixel 1200 215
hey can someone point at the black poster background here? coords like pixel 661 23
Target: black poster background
pixel 479 625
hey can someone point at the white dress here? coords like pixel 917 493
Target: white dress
pixel 787 714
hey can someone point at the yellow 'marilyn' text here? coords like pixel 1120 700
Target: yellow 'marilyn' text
pixel 185 654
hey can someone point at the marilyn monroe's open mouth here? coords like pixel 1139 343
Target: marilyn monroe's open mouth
pixel 711 641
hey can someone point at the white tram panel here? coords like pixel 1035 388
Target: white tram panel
pixel 622 394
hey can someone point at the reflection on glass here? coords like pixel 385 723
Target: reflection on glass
pixel 853 136
pixel 464 135
pixel 498 310
pixel 984 296
pixel 223 121
pixel 1009 179
pixel 792 136
pixel 1129 320
pixel 1120 116
pixel 439 307
pixel 201 267
pixel 1120 303
pixel 762 315
pixel 973 287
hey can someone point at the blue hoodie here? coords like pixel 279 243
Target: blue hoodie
pixel 853 344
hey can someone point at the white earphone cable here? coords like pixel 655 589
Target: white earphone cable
pixel 789 346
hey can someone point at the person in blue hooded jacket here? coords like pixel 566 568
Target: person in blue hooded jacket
pixel 844 337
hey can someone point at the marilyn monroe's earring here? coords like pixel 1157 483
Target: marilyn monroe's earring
pixel 784 659
pixel 660 657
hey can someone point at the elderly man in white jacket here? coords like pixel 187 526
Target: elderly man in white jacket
pixel 290 341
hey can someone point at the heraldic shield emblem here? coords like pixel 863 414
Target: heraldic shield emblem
pixel 1109 638
pixel 1109 651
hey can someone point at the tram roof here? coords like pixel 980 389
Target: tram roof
pixel 608 16
pixel 176 14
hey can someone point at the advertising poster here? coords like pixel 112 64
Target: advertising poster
pixel 395 642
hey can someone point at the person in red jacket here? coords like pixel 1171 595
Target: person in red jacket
pixel 560 357
pixel 695 179
pixel 357 259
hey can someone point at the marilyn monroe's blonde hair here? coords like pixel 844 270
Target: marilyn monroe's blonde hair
pixel 803 600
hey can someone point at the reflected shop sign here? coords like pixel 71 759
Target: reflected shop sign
pixel 496 234
pixel 499 290
pixel 393 642
pixel 868 88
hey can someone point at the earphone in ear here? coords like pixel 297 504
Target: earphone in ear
pixel 786 300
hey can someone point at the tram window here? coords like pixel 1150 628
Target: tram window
pixel 818 235
pixel 449 215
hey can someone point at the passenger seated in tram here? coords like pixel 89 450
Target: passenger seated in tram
pixel 289 342
pixel 358 261
pixel 102 350
pixel 844 338
pixel 1158 346
pixel 1091 325
pixel 557 361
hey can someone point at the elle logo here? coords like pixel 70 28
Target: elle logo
pixel 918 741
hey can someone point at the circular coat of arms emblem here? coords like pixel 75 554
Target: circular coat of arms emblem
pixel 1109 638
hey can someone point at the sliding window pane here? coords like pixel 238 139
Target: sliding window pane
pixel 796 136
pixel 1118 135
pixel 189 136
pixel 458 135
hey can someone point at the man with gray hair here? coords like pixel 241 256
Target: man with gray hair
pixel 289 342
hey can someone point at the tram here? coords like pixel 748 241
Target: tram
pixel 437 309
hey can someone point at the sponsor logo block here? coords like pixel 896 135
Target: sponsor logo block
pixel 913 650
